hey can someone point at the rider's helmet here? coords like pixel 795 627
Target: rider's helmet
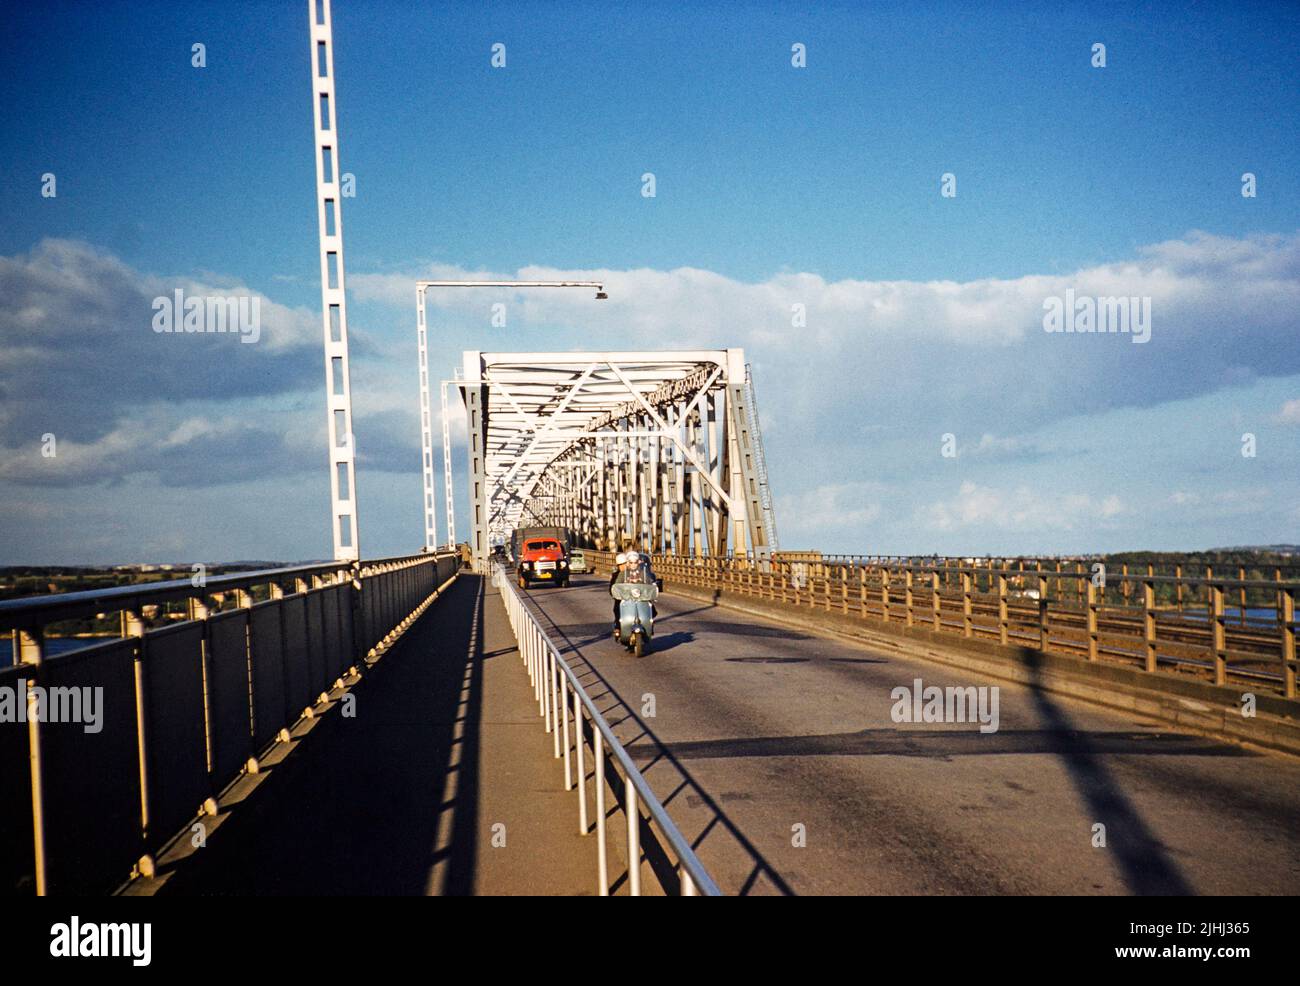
pixel 633 558
pixel 621 559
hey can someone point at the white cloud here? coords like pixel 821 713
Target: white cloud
pixel 827 508
pixel 1223 310
pixel 1018 509
pixel 79 359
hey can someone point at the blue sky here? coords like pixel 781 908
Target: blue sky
pixel 775 185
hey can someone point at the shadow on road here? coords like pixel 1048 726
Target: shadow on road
pixel 1144 860
pixel 940 743
pixel 650 752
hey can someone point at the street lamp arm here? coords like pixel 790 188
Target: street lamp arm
pixel 509 284
pixel 426 412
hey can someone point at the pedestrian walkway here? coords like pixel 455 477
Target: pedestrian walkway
pixel 442 781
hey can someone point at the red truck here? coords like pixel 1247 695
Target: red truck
pixel 542 559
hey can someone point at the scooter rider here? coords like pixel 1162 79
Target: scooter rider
pixel 630 567
pixel 620 562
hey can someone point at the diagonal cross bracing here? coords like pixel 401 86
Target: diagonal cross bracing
pixel 645 448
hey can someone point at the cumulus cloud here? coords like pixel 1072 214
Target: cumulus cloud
pixel 854 504
pixel 1223 313
pixel 78 350
pixel 80 360
pixel 1018 509
pixel 189 452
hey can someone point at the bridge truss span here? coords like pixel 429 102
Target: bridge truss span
pixel 654 449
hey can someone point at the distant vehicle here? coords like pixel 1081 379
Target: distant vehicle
pixel 520 534
pixel 542 559
pixel 578 561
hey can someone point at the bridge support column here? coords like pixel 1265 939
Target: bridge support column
pixel 29 649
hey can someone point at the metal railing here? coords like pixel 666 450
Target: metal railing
pixel 183 709
pixel 1159 623
pixel 553 683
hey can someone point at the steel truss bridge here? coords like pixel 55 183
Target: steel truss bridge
pixel 661 450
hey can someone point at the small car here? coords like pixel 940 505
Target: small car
pixel 578 562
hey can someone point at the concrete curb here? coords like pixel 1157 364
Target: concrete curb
pixel 1196 706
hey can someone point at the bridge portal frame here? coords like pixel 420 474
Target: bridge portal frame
pixel 653 449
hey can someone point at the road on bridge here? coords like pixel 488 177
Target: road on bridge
pixel 763 736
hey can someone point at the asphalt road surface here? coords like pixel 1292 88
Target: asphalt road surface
pixel 776 752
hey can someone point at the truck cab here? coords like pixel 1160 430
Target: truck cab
pixel 542 559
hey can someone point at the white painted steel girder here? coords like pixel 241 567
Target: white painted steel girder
pixel 647 448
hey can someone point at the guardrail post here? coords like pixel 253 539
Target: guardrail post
pixel 360 641
pixel 29 648
pixel 884 593
pixel 133 627
pixel 1091 602
pixel 1042 612
pixel 633 837
pixel 936 602
pixel 580 743
pixel 967 627
pixel 539 663
pixel 1288 642
pixel 564 715
pixel 1220 635
pixel 197 610
pixel 844 591
pixel 1149 621
pixel 602 862
pixel 908 596
pixel 1003 618
pixel 1241 575
pixel 548 686
pixel 554 695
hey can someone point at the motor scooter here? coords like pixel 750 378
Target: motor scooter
pixel 636 620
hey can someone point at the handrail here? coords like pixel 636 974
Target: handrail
pixel 1158 622
pixel 543 660
pixel 27 612
pixel 168 717
pixel 839 562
